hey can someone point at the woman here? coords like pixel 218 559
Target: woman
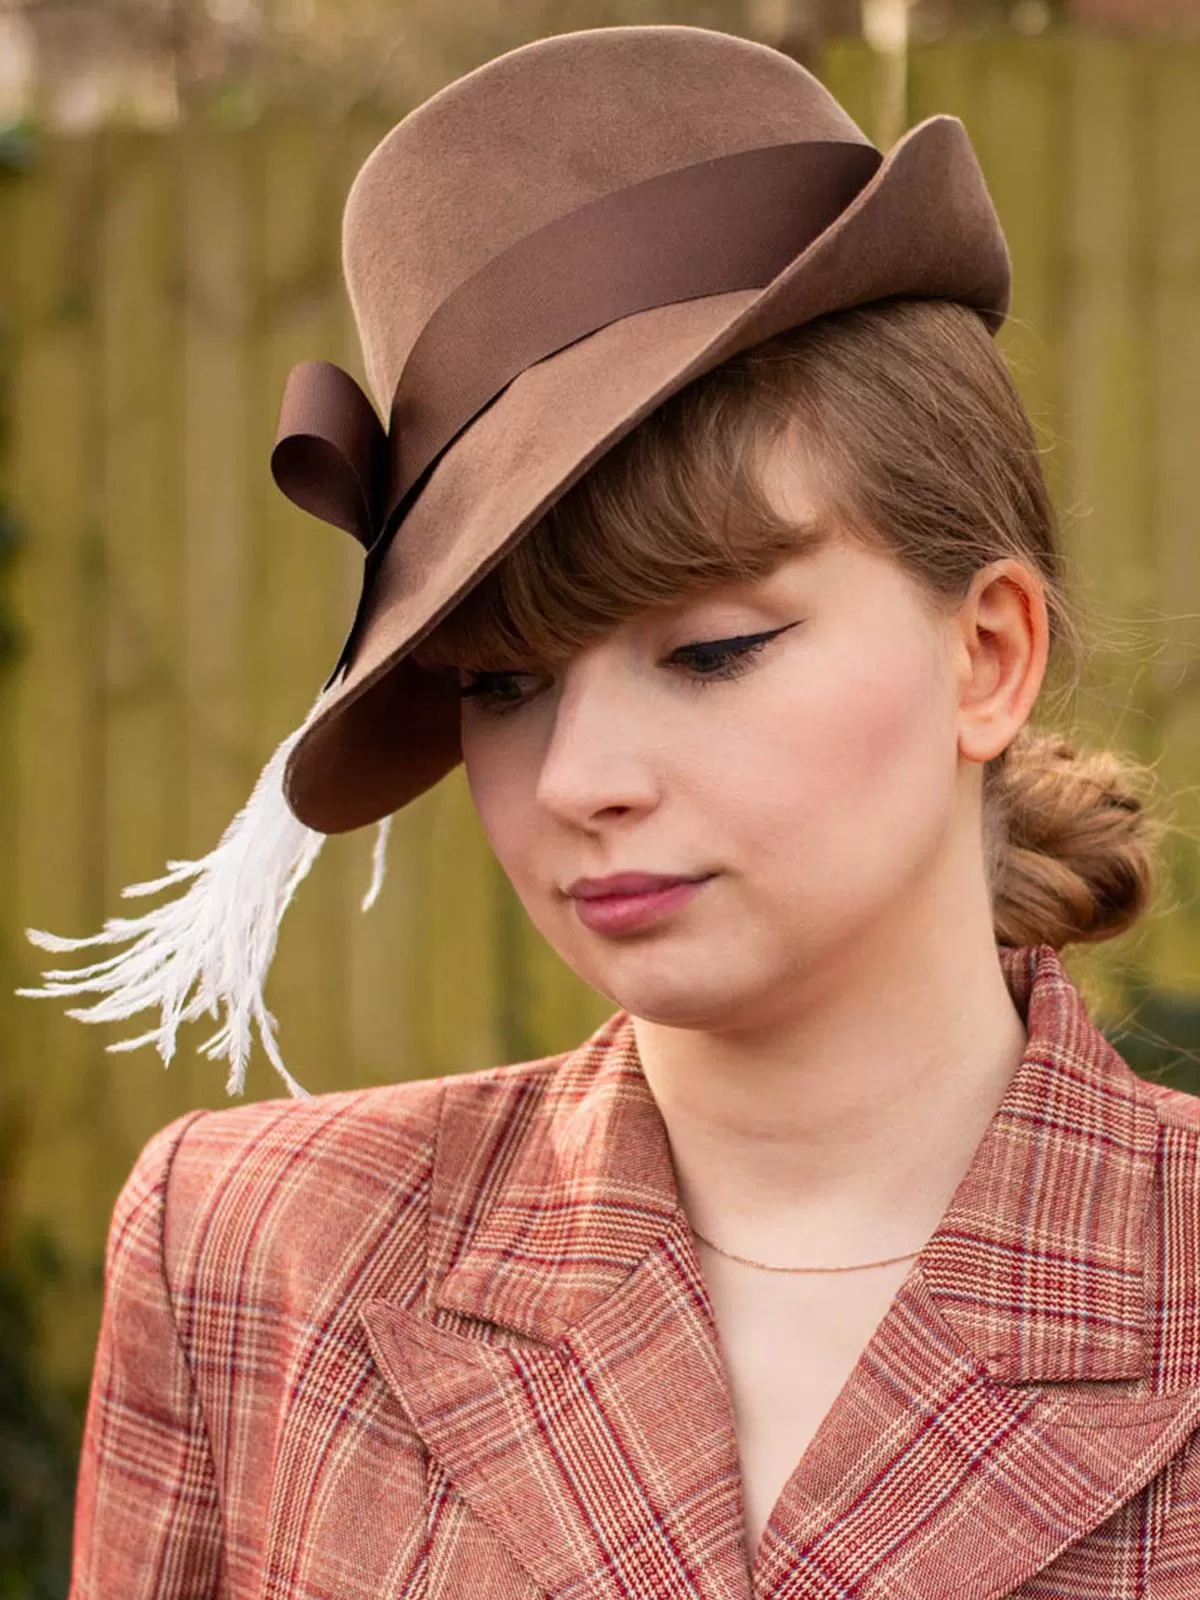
pixel 847 1257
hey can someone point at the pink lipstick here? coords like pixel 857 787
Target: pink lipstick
pixel 631 900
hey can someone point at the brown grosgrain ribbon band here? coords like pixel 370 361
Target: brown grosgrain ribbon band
pixel 730 223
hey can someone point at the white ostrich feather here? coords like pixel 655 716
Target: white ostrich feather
pixel 217 938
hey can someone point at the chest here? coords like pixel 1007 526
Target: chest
pixel 431 1464
pixel 789 1344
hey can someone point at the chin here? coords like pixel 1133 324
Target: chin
pixel 685 998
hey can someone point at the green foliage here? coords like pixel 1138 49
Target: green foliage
pixel 18 146
pixel 1161 1041
pixel 11 540
pixel 39 1427
pixel 39 1436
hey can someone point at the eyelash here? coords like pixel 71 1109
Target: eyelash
pixel 731 657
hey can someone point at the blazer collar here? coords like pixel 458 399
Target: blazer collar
pixel 1055 1199
pixel 566 1374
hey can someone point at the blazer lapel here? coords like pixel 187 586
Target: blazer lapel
pixel 929 1477
pixel 565 1373
pixel 1006 1405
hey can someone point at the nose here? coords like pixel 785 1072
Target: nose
pixel 598 759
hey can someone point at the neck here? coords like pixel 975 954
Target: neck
pixel 851 1115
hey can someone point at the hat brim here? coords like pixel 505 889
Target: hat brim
pixel 924 226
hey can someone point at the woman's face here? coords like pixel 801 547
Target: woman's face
pixel 811 778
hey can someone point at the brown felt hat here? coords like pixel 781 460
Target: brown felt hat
pixel 536 258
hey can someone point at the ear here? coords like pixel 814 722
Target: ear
pixel 1002 641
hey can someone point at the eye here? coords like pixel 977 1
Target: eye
pixel 723 658
pixel 493 691
pixel 704 660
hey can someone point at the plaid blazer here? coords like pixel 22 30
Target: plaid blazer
pixel 450 1338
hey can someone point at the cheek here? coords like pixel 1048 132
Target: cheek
pixel 884 721
pixel 852 744
pixel 502 781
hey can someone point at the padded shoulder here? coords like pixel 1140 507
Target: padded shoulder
pixel 274 1199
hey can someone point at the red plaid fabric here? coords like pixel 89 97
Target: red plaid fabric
pixel 450 1339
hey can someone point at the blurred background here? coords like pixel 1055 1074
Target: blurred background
pixel 172 174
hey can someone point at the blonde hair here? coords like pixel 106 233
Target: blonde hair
pixel 922 449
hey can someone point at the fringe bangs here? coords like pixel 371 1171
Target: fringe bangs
pixel 676 507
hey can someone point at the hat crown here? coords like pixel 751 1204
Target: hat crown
pixel 535 134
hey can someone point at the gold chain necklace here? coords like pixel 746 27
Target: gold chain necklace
pixel 767 1266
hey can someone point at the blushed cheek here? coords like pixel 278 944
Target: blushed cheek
pixel 903 773
pixel 860 758
pixel 502 806
pixel 503 789
pixel 886 723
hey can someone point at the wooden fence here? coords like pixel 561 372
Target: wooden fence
pixel 178 613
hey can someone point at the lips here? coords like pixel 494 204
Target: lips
pixel 627 883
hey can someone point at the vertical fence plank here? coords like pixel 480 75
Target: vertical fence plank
pixel 216 527
pixel 1010 94
pixel 1175 345
pixel 59 1067
pixel 1021 127
pixel 943 81
pixel 1109 396
pixel 140 282
pixel 1109 420
pixel 457 1025
pixel 853 74
pixel 385 956
pixel 12 1110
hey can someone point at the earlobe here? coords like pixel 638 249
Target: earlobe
pixel 1004 631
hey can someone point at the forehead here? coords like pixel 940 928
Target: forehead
pixel 789 477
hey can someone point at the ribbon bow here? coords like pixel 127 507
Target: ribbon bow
pixel 331 455
pixel 333 459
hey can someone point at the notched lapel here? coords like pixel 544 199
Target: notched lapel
pixel 1004 1407
pixel 564 1372
pixel 606 1464
pixel 931 1478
